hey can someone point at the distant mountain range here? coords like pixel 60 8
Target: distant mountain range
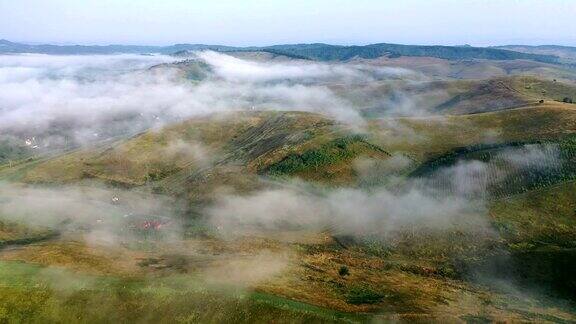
pixel 320 52
pixel 11 47
pixel 567 54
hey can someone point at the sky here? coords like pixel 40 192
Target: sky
pixel 267 22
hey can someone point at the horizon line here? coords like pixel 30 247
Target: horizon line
pixel 268 45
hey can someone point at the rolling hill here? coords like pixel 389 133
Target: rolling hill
pixel 249 149
pixel 565 53
pixel 124 228
pixel 219 151
pixel 321 52
pixel 325 52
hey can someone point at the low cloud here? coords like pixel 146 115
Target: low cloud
pixel 451 198
pixel 66 101
pixel 350 211
pixel 71 100
pixel 103 216
pixel 238 70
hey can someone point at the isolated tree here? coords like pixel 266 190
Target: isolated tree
pixel 344 271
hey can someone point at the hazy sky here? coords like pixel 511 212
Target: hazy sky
pixel 262 22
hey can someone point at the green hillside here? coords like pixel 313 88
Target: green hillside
pixel 299 274
pixel 241 147
pixel 554 163
pixel 428 137
pixel 325 52
pixel 321 52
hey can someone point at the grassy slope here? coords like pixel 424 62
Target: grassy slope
pixel 390 285
pixel 414 281
pixel 491 95
pixel 505 93
pixel 55 295
pixel 559 154
pixel 425 138
pixel 248 142
pixel 543 217
pixel 456 97
pixel 476 69
pixel 329 161
pixel 379 98
pixel 543 88
pixel 538 226
pixel 12 233
pixel 540 230
pixel 103 284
